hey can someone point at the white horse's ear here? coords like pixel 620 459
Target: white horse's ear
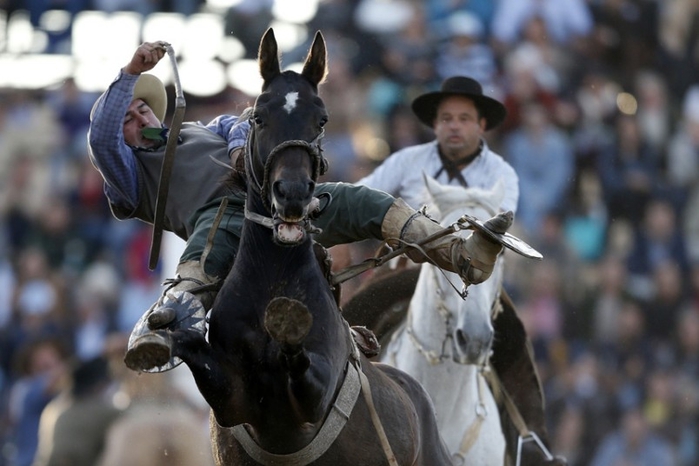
pixel 498 191
pixel 434 187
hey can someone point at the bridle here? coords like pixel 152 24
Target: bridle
pixel 432 356
pixel 313 148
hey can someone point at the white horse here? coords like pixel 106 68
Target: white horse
pixel 445 340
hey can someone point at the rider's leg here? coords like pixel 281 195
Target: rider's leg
pixel 186 299
pixel 513 361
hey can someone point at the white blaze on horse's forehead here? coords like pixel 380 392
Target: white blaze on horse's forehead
pixel 291 99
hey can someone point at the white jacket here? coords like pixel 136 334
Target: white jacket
pixel 401 174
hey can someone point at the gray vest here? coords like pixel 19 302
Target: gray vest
pixel 195 178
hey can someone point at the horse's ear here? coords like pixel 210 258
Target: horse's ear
pixel 498 191
pixel 433 186
pixel 315 67
pixel 268 57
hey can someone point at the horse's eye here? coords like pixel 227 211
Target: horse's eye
pixel 256 119
pixel 323 121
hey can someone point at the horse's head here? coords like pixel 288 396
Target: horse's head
pixel 473 330
pixel 283 155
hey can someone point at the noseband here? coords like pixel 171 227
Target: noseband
pixel 313 148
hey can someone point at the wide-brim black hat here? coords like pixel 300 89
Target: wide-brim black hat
pixel 425 106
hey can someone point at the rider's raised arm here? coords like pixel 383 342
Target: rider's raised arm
pixel 107 148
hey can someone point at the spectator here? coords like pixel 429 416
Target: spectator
pixel 172 436
pixel 686 343
pixel 629 169
pixel 678 45
pixel 74 424
pixel 627 359
pixel 634 442
pixel 657 240
pixel 608 298
pixel 665 304
pixel 439 11
pixel 464 50
pixel 41 367
pixel 567 21
pixel 247 21
pixel 625 36
pixel 588 219
pixel 655 115
pixel 542 156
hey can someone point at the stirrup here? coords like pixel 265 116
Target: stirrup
pixel 191 315
pixel 531 437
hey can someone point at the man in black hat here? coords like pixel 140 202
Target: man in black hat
pixel 460 114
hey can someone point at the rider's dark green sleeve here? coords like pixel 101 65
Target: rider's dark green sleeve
pixel 354 214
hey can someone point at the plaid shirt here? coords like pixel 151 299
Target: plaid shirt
pixel 116 160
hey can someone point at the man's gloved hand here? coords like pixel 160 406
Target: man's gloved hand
pixel 482 251
pixel 473 258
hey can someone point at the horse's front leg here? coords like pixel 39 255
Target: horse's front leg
pixel 288 322
pixel 213 380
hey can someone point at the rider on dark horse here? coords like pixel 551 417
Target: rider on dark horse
pixel 126 144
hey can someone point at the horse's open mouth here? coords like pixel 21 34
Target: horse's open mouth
pixel 289 232
pixel 293 230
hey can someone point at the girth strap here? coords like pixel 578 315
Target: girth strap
pixel 366 390
pixel 331 428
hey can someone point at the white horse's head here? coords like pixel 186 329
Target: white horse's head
pixel 473 332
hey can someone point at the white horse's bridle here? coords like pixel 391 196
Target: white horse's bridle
pixel 433 357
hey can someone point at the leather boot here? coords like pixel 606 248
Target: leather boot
pixel 183 306
pixel 473 258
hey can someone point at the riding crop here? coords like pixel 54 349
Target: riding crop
pixel 168 161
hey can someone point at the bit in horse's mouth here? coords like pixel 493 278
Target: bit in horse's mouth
pixel 288 232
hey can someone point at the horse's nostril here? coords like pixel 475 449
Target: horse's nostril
pixel 460 337
pixel 278 188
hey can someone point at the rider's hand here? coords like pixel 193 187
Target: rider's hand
pixel 146 56
pixel 477 254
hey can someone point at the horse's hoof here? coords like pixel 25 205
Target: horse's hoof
pixel 147 352
pixel 287 321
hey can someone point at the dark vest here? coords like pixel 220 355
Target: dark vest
pixel 195 178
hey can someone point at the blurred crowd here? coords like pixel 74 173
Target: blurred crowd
pixel 602 128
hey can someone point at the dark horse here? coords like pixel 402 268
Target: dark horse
pixel 281 372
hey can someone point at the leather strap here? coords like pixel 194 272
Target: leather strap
pixel 471 434
pixel 331 428
pixel 506 399
pixel 168 162
pixel 366 390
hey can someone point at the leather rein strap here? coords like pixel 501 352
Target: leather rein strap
pixel 331 428
pixel 355 381
pixel 168 162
